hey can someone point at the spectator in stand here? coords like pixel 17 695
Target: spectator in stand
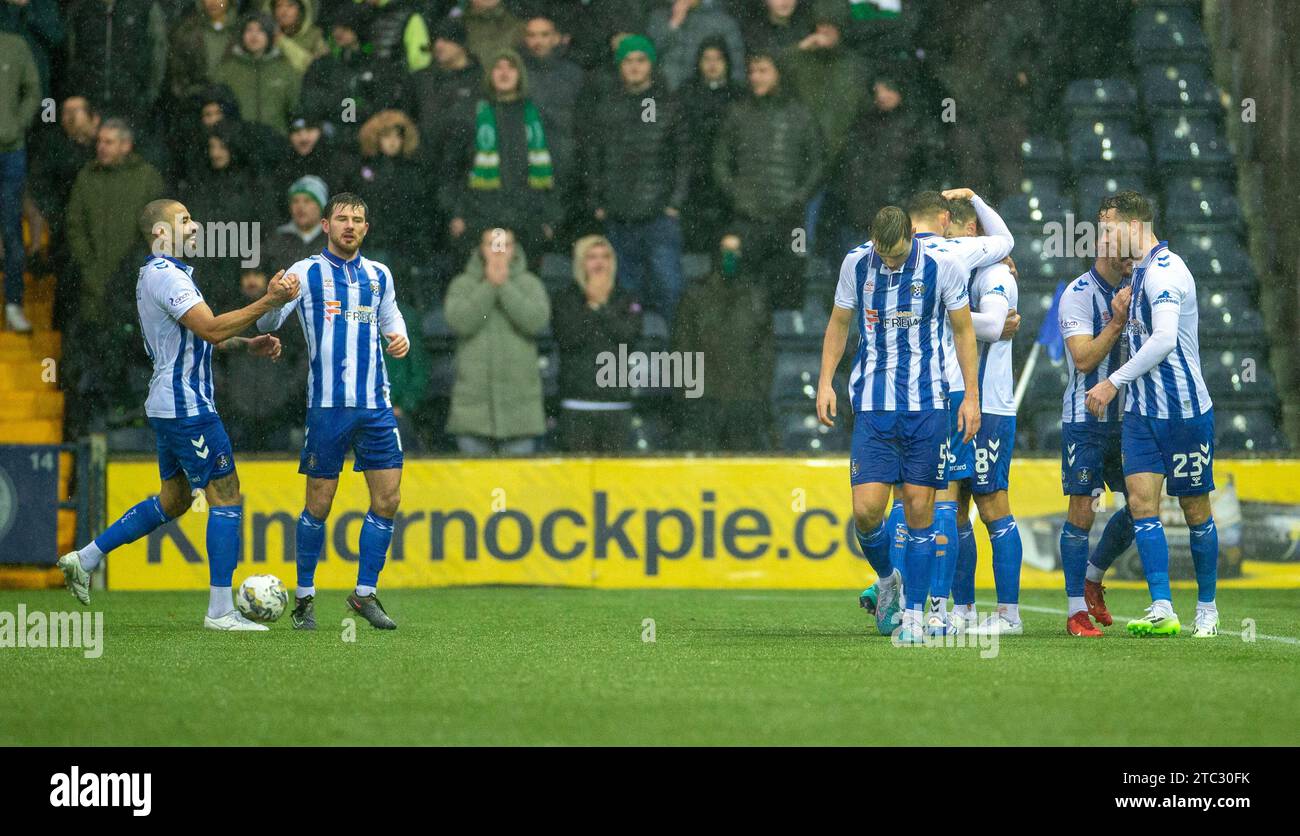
pixel 117 54
pixel 398 33
pixel 345 88
pixel 20 97
pixel 310 153
pixel 728 309
pixel 296 34
pixel 679 29
pixel 768 161
pixel 783 25
pixel 830 79
pixel 638 168
pixel 58 156
pixel 442 95
pixel 224 190
pixel 258 144
pixel 264 83
pixel 554 84
pixel 596 27
pixel 497 309
pixel 705 99
pixel 107 198
pixel 491 28
pixel 408 381
pixel 262 402
pixel 400 222
pixel 500 171
pixel 302 237
pixel 199 43
pixel 39 23
pixel 886 158
pixel 592 316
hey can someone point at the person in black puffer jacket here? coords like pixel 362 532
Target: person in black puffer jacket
pixel 638 164
pixel 705 99
pixel 390 179
pixel 768 161
pixel 588 318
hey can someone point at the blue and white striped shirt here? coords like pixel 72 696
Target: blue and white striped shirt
pixel 902 317
pixel 345 308
pixel 181 384
pixel 1172 386
pixel 1085 309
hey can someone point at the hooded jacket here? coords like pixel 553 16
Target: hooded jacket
pixel 305 45
pixel 679 47
pixel 497 391
pixel 197 48
pixel 582 333
pixel 265 85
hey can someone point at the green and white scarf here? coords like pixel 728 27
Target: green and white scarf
pixel 487 159
pixel 875 9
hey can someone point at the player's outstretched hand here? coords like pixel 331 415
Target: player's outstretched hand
pixel 398 345
pixel 1119 306
pixel 283 289
pixel 826 405
pixel 265 345
pixel 1099 397
pixel 958 194
pixel 1011 326
pixel 968 418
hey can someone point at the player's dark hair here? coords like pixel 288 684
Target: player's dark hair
pixel 156 212
pixel 1129 206
pixel 927 204
pixel 347 199
pixel 890 226
pixel 963 211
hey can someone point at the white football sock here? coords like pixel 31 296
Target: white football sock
pixel 363 591
pixel 1077 604
pixel 219 601
pixel 90 556
pixel 1208 606
pixel 939 605
pixel 304 591
pixel 1094 574
pixel 1163 607
pixel 962 610
pixel 1011 611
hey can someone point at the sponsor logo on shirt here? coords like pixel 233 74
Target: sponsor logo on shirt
pixel 1164 297
pixel 333 308
pixel 363 313
pixel 900 319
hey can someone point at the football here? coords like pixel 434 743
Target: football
pixel 262 598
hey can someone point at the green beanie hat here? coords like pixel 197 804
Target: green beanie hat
pixel 634 43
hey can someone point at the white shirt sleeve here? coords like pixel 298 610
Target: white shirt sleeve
pixel 1166 295
pixel 997 296
pixel 391 320
pixel 173 291
pixel 952 284
pixel 1074 314
pixel 846 290
pixel 999 239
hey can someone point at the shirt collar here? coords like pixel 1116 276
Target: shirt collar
pixel 355 262
pixel 187 268
pixel 1160 246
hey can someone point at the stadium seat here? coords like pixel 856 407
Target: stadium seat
pixel 1216 257
pixel 1042 155
pixel 1043 183
pixel 1168 35
pixel 1232 377
pixel 1034 209
pixel 654 328
pixel 1100 97
pixel 1190 145
pixel 1037 259
pixel 1194 203
pixel 801 432
pixel 1249 430
pixel 802 328
pixel 1226 313
pixel 556 271
pixel 1179 88
pixel 795 377
pixel 1107 149
pixel 1093 187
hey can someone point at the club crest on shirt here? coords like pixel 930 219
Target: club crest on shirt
pixel 918 288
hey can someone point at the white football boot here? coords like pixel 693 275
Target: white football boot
pixel 75 578
pixel 233 620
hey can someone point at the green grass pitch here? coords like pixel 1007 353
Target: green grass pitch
pixel 560 666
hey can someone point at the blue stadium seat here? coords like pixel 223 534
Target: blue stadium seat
pixel 795 377
pixel 801 432
pixel 1041 183
pixel 1104 97
pixel 1042 155
pixel 1034 209
pixel 1168 35
pixel 1037 262
pixel 1190 145
pixel 1215 256
pixel 1235 378
pixel 802 328
pixel 1093 187
pixel 1249 430
pixel 1108 149
pixel 1226 313
pixel 1194 203
pixel 556 271
pixel 1179 88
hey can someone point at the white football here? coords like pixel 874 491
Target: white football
pixel 262 598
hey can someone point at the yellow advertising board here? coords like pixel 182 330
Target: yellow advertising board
pixel 769 523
